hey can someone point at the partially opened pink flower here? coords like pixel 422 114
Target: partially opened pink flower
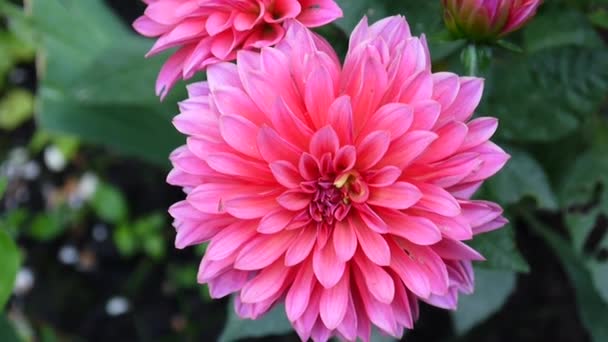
pixel 343 191
pixel 483 20
pixel 210 31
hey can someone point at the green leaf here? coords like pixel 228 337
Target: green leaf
pixel 7 330
pixel 543 97
pixel 580 225
pixel 579 192
pixel 10 259
pixel 272 323
pixel 183 276
pixel 355 10
pixel 492 288
pixel 589 170
pixel 522 176
pixel 500 251
pixel 154 246
pixel 46 227
pixel 422 16
pixel 16 107
pixel 599 274
pixel 599 17
pixel 109 203
pixel 592 310
pixel 96 83
pixel 557 28
pixel 3 185
pixel 125 241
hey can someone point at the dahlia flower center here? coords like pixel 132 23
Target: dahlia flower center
pixel 332 200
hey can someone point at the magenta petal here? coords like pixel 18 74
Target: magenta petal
pixel 265 284
pixel 371 149
pixel 286 174
pixel 437 200
pixel 319 12
pixel 240 134
pixel 299 294
pixel 263 251
pixel 378 281
pixel 400 195
pixel 373 244
pixel 323 141
pixel 418 230
pixel 327 267
pixel 345 240
pixel 334 302
pixel 275 221
pixel 301 247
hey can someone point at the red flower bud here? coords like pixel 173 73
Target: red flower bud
pixel 487 20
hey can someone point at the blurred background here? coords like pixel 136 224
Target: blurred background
pixel 86 245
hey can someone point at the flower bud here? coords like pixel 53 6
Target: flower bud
pixel 487 20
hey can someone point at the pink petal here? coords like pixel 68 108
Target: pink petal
pixel 380 314
pixel 251 207
pixel 345 159
pixel 317 13
pixel 286 174
pixel 298 296
pixel 437 200
pixel 273 147
pixel 265 285
pixel 480 131
pixel 406 149
pixel 227 283
pixel 445 88
pixel 148 27
pixel 348 327
pixel 326 265
pixel 275 221
pixel 301 247
pixel 378 281
pixel 410 272
pixel 240 134
pixel 230 239
pixel 263 251
pixel 340 115
pixel 373 244
pixel 371 219
pixel 451 137
pixel 426 114
pixel 468 98
pixel 400 195
pixel 323 141
pixel 294 200
pixel 371 149
pixel 433 266
pixel 345 240
pixel 401 304
pixel 234 165
pixel 334 302
pixel 386 176
pixel 456 250
pixel 418 230
pixel 394 118
pixel 318 96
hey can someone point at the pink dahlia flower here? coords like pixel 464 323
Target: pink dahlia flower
pixel 210 31
pixel 343 191
pixel 484 20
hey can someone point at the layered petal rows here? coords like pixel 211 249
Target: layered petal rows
pixel 210 31
pixel 342 190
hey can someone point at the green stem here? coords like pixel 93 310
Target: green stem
pixel 470 60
